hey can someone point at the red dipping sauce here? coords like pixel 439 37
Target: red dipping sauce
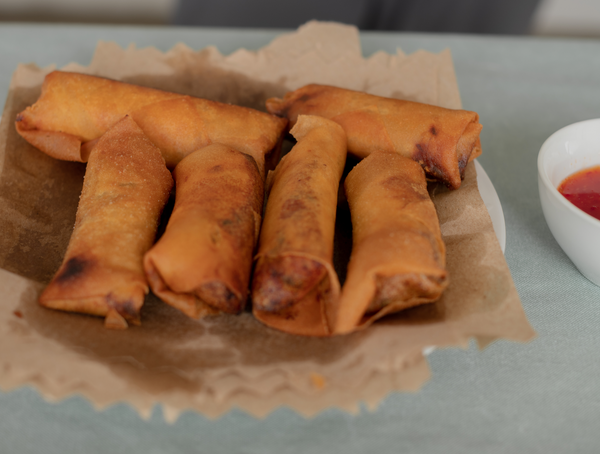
pixel 582 189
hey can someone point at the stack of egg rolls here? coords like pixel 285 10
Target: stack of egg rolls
pixel 203 263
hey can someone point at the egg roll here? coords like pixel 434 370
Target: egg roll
pixel 398 257
pixel 202 263
pixel 74 110
pixel 125 188
pixel 442 140
pixel 294 282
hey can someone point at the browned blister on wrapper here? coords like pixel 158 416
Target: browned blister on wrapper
pixel 294 284
pixel 202 263
pixel 74 110
pixel 125 188
pixel 442 140
pixel 398 256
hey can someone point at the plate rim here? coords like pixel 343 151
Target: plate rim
pixel 492 203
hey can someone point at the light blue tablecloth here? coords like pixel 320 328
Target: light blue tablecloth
pixel 510 398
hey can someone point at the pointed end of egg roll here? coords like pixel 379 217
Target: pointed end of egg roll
pixel 293 102
pixel 275 106
pixel 380 295
pixel 120 308
pixel 83 286
pixel 210 298
pixel 469 145
pixel 281 281
pixel 59 145
pixel 292 294
pixel 114 320
pixel 406 290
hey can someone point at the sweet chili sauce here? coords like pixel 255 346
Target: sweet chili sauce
pixel 582 189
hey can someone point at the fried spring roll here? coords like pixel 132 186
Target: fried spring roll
pixel 125 188
pixel 74 110
pixel 398 256
pixel 202 263
pixel 294 281
pixel 442 140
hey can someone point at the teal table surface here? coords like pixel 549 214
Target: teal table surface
pixel 543 396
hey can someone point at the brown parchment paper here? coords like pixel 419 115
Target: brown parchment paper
pixel 215 364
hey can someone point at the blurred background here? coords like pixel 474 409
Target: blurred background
pixel 570 18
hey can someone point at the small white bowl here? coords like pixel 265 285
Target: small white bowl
pixel 568 150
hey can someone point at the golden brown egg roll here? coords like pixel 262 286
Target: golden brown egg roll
pixel 294 282
pixel 125 188
pixel 442 140
pixel 202 263
pixel 74 110
pixel 398 257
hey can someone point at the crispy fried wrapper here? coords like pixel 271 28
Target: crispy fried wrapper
pixel 202 263
pixel 125 189
pixel 398 257
pixel 74 110
pixel 442 140
pixel 294 283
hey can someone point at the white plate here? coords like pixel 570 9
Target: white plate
pixel 492 203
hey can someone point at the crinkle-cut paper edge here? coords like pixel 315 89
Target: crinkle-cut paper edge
pixel 365 74
pixel 376 387
pixel 56 383
pixel 371 382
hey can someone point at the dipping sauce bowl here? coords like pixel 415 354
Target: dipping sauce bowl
pixel 569 150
